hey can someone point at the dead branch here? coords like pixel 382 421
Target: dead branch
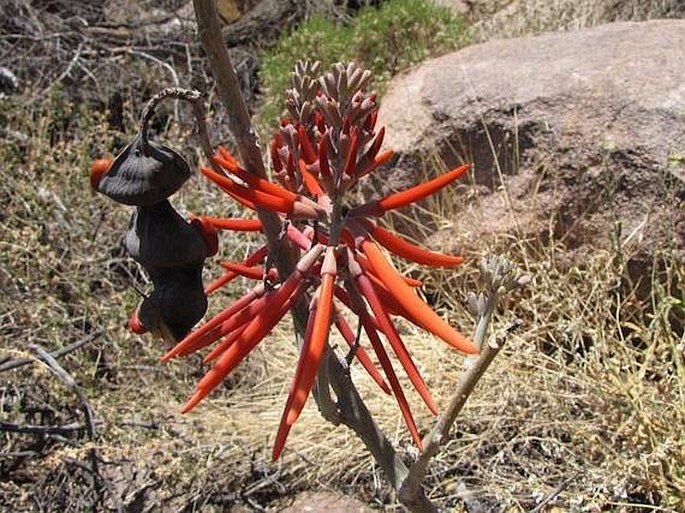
pixel 19 362
pixel 33 429
pixel 70 383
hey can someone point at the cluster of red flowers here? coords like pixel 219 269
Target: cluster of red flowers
pixel 318 155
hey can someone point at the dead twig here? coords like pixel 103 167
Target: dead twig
pixel 19 362
pixel 555 493
pixel 70 383
pixel 33 429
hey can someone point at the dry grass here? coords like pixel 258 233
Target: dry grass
pixel 589 396
pixel 515 18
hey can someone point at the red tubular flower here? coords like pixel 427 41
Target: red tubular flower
pixel 364 286
pixel 255 258
pixel 259 198
pixel 254 272
pixel 420 312
pixel 237 225
pixel 360 309
pixel 408 250
pixel 318 157
pixel 412 195
pixel 194 340
pixel 258 328
pixel 311 354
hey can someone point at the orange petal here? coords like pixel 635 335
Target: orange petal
pixel 305 145
pixel 252 272
pixel 368 269
pixel 359 352
pixel 220 282
pixel 256 330
pixel 310 182
pixel 420 191
pixel 311 354
pixel 393 337
pixel 367 167
pixel 238 225
pixel 227 342
pixel 189 342
pixel 227 156
pixel 410 251
pixel 420 311
pixel 284 426
pixel 253 259
pixel 412 195
pixel 257 197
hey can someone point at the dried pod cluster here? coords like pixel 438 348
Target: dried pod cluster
pixel 170 249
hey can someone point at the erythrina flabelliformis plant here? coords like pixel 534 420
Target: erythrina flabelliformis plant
pixel 329 142
pixel 319 154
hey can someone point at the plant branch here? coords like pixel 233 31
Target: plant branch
pixel 500 275
pixel 18 362
pixel 239 123
pixel 70 383
pixel 465 386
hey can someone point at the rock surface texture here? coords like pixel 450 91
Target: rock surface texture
pixel 585 130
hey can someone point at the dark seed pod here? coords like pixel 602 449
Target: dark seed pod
pixel 144 174
pixel 176 304
pixel 158 236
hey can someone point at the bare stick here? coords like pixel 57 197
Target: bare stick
pixel 555 493
pixel 70 383
pixel 66 378
pixel 239 120
pixel 33 429
pixel 19 362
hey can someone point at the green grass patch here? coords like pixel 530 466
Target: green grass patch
pixel 386 40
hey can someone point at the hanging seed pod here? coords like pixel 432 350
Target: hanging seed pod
pixel 144 173
pixel 176 304
pixel 158 236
